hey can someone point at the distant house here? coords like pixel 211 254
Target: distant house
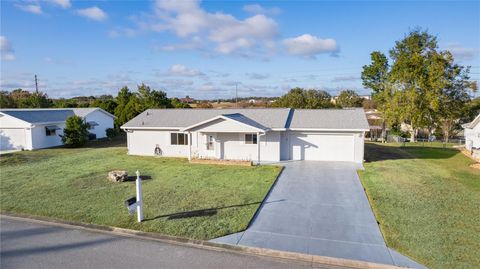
pixel 30 129
pixel 260 135
pixel 187 100
pixel 472 134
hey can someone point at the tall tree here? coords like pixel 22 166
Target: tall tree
pixel 149 98
pixel 124 97
pixel 349 98
pixel 420 80
pixel 301 98
pixel 375 77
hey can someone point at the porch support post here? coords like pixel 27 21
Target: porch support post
pixel 189 146
pixel 258 148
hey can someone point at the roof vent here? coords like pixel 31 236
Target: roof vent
pixel 147 113
pixel 143 123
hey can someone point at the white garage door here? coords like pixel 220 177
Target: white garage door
pixel 321 147
pixel 12 139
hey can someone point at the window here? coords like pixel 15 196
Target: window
pixel 50 132
pixel 210 141
pixel 91 125
pixel 250 139
pixel 178 139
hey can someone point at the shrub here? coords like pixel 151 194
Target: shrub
pixel 75 133
pixel 112 132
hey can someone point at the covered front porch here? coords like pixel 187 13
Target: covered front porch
pixel 226 137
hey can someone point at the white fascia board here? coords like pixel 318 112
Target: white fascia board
pixel 47 123
pixel 327 130
pixel 150 128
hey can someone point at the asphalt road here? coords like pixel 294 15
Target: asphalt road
pixel 32 245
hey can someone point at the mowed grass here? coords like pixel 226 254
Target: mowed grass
pixel 181 199
pixel 427 201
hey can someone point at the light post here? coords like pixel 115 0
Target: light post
pixel 139 198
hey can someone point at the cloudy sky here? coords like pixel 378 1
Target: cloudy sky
pixel 203 49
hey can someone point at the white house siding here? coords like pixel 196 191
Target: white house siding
pixel 41 140
pixel 322 146
pixel 14 133
pixel 231 146
pixel 104 122
pixel 14 138
pixel 143 142
pixel 472 137
pixel 227 145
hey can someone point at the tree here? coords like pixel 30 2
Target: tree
pixel 149 98
pixel 349 98
pixel 420 80
pixel 301 98
pixel 75 133
pixel 375 77
pixel 107 105
pixel 176 103
pixel 25 99
pixel 6 101
pixel 122 112
pixel 455 100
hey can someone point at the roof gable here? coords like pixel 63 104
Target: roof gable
pixel 238 123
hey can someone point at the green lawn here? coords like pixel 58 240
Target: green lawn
pixel 427 201
pixel 71 184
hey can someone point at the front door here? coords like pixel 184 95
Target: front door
pixel 210 146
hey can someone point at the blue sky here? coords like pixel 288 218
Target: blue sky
pixel 203 49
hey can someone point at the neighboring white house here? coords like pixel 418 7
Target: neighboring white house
pixel 30 129
pixel 267 135
pixel 472 134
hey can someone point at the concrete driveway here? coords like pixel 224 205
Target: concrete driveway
pixel 319 208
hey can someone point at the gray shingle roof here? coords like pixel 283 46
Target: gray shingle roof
pixel 39 115
pixel 337 119
pixel 181 118
pixel 350 118
pixel 46 115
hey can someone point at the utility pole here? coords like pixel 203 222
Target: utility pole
pixel 36 85
pixel 236 94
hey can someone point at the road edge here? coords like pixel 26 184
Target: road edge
pixel 196 243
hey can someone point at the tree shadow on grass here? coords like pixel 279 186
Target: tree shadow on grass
pixel 201 212
pixel 378 152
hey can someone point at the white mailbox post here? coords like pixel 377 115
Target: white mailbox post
pixel 139 198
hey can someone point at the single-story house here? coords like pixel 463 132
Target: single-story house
pixel 472 134
pixel 265 135
pixel 30 129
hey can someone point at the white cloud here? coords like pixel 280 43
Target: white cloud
pixel 188 21
pixel 183 71
pixel 61 3
pixel 308 46
pixel 462 53
pixel 93 13
pixel 258 9
pixel 6 50
pixel 33 8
